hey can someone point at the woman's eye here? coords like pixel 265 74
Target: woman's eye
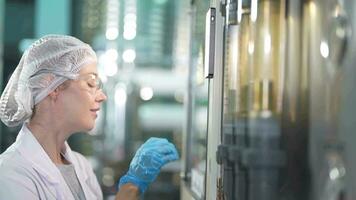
pixel 90 84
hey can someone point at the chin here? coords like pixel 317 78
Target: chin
pixel 87 126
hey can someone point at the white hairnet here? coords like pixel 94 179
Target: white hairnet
pixel 45 65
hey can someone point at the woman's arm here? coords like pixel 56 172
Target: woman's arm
pixel 128 192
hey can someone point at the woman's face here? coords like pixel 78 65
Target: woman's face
pixel 81 100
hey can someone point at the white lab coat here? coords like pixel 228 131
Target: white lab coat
pixel 27 172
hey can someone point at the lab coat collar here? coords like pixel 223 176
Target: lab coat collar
pixel 31 150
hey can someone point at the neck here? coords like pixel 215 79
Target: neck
pixel 51 139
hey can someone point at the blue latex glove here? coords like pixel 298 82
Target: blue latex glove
pixel 147 162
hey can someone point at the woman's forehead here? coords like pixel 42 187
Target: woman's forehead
pixel 90 68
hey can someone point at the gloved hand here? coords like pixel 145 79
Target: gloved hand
pixel 147 162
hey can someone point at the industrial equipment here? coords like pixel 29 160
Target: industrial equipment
pixel 280 117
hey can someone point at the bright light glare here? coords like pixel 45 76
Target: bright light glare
pixel 239 11
pixel 102 77
pixel 130 17
pixel 334 174
pixel 129 55
pixel 108 64
pixel 120 96
pixel 129 34
pixel 112 54
pixel 254 10
pixel 110 69
pixel 267 45
pixel 324 49
pixel 146 93
pixel 112 33
pixel 313 9
pixel 251 47
pixel 130 26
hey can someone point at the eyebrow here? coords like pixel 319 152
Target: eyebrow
pixel 93 73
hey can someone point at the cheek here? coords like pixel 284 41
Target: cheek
pixel 82 101
pixel 78 112
pixel 77 102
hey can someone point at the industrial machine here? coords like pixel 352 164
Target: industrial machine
pixel 281 118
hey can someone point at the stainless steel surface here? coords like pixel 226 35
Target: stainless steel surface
pixel 284 99
pixel 215 110
pixel 209 43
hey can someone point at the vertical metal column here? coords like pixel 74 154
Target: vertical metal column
pixel 348 108
pixel 215 107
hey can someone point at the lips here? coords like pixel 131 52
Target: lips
pixel 94 111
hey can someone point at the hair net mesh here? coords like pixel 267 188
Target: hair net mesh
pixel 45 65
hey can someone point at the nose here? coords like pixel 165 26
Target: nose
pixel 100 96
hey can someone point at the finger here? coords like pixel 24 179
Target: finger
pixel 159 161
pixel 155 140
pixel 170 157
pixel 153 143
pixel 166 149
pixel 165 154
pixel 173 155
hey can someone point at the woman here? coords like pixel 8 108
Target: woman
pixel 54 92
